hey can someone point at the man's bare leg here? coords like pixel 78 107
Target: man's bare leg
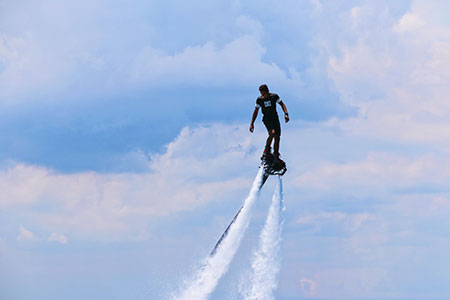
pixel 276 145
pixel 270 138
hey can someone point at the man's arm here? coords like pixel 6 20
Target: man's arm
pixel 255 114
pixel 286 115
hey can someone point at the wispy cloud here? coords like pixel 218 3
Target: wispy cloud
pixel 58 237
pixel 26 235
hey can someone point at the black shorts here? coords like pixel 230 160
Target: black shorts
pixel 273 124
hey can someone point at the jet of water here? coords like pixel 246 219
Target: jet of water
pixel 216 264
pixel 265 264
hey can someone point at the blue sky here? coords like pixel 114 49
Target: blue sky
pixel 125 144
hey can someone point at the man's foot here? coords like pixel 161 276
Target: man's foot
pixel 276 157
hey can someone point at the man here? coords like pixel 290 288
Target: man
pixel 267 101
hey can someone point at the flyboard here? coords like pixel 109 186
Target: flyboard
pixel 271 166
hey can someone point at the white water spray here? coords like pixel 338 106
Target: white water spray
pixel 215 265
pixel 266 262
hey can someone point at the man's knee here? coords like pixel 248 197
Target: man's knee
pixel 274 133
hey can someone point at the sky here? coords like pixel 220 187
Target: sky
pixel 125 149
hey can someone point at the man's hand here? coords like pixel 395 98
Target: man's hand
pixel 251 127
pixel 286 118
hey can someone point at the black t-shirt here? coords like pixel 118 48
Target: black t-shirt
pixel 268 106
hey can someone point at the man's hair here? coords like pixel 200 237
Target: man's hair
pixel 263 88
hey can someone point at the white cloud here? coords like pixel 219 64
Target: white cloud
pixel 118 205
pixel 53 52
pixel 399 81
pixel 350 222
pixel 346 282
pixel 26 235
pixel 250 27
pixel 18 65
pixel 10 48
pixel 58 237
pixel 318 7
pixel 409 22
pixel 238 62
pixel 379 171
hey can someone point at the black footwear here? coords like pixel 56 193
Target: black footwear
pixel 266 154
pixel 267 151
pixel 276 157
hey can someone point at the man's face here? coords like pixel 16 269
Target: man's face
pixel 264 93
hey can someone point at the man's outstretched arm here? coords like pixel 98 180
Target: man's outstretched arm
pixel 255 114
pixel 286 115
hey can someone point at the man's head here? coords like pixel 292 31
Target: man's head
pixel 263 89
